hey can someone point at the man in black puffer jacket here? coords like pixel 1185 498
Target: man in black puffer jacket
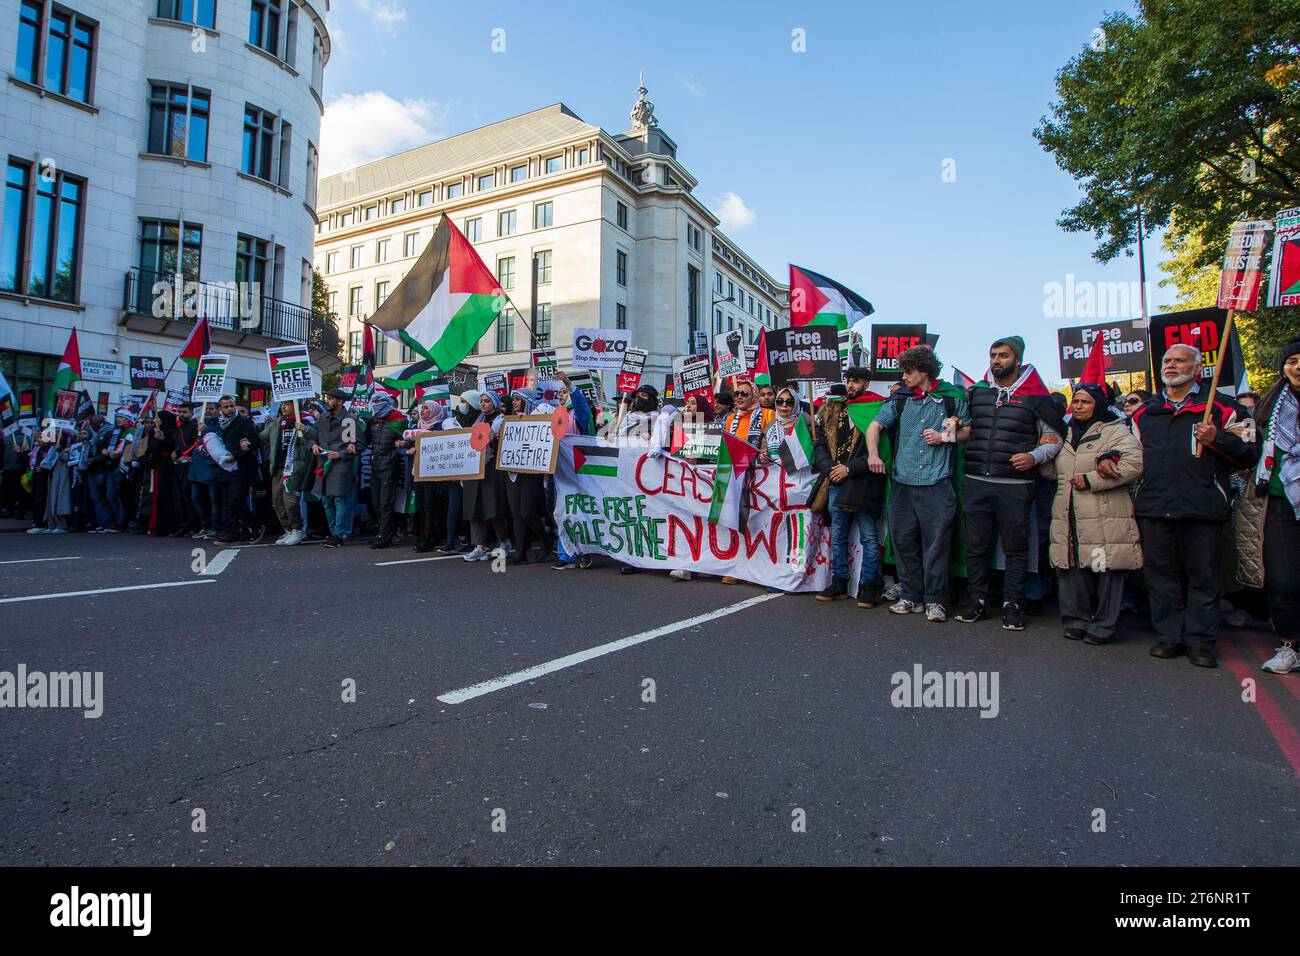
pixel 1183 501
pixel 239 435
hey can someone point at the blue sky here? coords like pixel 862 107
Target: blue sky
pixel 837 153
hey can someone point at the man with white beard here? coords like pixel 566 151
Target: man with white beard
pixel 1183 501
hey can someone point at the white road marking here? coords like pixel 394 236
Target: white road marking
pixel 220 562
pixel 441 557
pixel 38 560
pixel 133 587
pixel 570 660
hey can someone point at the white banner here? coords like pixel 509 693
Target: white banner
pixel 601 349
pixel 653 512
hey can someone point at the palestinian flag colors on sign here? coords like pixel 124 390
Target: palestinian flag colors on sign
pixel 596 460
pixel 1284 279
pixel 818 300
pixel 446 303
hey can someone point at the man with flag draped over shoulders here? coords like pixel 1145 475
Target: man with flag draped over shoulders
pixel 1015 429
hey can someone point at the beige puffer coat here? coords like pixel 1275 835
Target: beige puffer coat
pixel 1103 515
pixel 1248 533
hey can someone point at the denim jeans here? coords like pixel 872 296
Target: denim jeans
pixel 98 482
pixel 207 502
pixel 339 511
pixel 113 495
pixel 841 523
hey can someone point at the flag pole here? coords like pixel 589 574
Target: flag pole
pixel 812 414
pixel 1224 344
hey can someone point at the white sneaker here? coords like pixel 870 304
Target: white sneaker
pixel 36 531
pixel 904 606
pixel 1284 661
pixel 294 537
pixel 56 530
pixel 892 593
pixel 479 553
pixel 680 574
pixel 936 613
pixel 281 539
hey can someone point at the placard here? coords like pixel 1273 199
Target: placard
pixel 26 403
pixel 133 401
pixel 8 415
pixel 543 359
pixel 728 349
pixel 97 370
pixel 1123 343
pixel 701 343
pixel 695 374
pixel 175 400
pixel 1243 265
pixel 1284 276
pixel 462 378
pixel 629 376
pixel 808 353
pixel 527 445
pixel 447 456
pixel 496 382
pixel 290 367
pixel 147 372
pixel 210 378
pixel 600 349
pixel 65 403
pixel 591 385
pixel 1202 328
pixel 888 342
pixel 702 438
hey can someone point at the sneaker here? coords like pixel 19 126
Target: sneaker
pixel 564 566
pixel 36 531
pixel 1284 661
pixel 728 579
pixel 972 614
pixel 202 532
pixel 208 535
pixel 680 574
pixel 1071 633
pixel 837 591
pixel 94 531
pixel 56 530
pixel 332 542
pixel 280 540
pixel 936 613
pixel 256 533
pixel 904 606
pixel 443 549
pixel 892 593
pixel 478 554
pixel 1011 619
pixel 112 530
pixel 294 537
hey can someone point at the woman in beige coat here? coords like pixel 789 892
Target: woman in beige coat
pixel 1094 534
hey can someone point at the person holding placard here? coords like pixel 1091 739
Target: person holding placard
pixel 430 496
pixel 338 440
pixel 485 502
pixel 387 464
pixel 525 493
pixel 239 435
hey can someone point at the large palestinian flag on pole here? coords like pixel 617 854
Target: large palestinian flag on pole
pixel 413 375
pixel 68 372
pixel 817 300
pixel 446 303
pixel 197 344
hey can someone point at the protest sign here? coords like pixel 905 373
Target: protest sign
pixel 629 376
pixel 1123 343
pixel 527 445
pixel 1243 265
pixel 1204 329
pixel 496 382
pixel 543 359
pixel 809 353
pixel 1284 276
pixel 701 342
pixel 521 378
pixel 290 367
pixel 447 456
pixel 101 403
pixel 590 385
pixel 462 378
pixel 26 403
pixel 96 370
pixel 133 401
pixel 652 512
pixel 694 374
pixel 210 378
pixel 147 373
pixel 701 438
pixel 728 348
pixel 600 349
pixel 8 415
pixel 65 403
pixel 888 342
pixel 175 399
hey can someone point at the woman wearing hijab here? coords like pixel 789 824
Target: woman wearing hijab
pixel 787 414
pixel 484 497
pixel 167 513
pixel 1094 534
pixel 1268 517
pixel 526 494
pixel 430 496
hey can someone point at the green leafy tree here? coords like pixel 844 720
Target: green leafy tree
pixel 320 304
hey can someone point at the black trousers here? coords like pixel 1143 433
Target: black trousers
pixel 1183 581
pixel 1282 567
pixel 991 507
pixel 431 507
pixel 527 498
pixel 234 495
pixel 1090 600
pixel 385 487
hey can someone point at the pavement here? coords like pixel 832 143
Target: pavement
pixel 715 725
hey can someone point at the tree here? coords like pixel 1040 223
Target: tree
pixel 320 304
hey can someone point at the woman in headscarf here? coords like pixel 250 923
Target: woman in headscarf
pixel 1094 534
pixel 485 499
pixel 1268 516
pixel 166 510
pixel 526 493
pixel 430 496
pixel 788 410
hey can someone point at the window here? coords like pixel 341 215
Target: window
pixel 345 219
pixel 620 316
pixel 370 212
pixel 620 215
pixel 158 250
pixel 487 181
pixel 381 250
pixel 407 353
pixel 396 205
pixel 506 330
pixel 474 229
pixel 334 302
pixel 543 327
pixel 518 173
pixel 264 25
pixel 717 321
pixel 543 214
pixel 694 237
pixel 29 41
pixel 731 322
pixel 409 244
pixel 731 289
pixel 354 300
pixel 751 305
pixel 291 35
pixel 554 164
pixel 354 348
pixel 506 223
pixel 620 267
pixel 354 257
pixel 13 241
pixel 331 262
pixel 251 262
pixel 49 258
pixel 313 173
pixel 317 61
pixel 381 293
pixel 425 198
pixel 543 260
pixel 58 58
pixel 454 190
pixel 506 272
pixel 259 143
pixel 286 153
pixel 717 282
pixel 582 156
pixel 178 121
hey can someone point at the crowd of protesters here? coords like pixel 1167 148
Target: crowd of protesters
pixel 1125 499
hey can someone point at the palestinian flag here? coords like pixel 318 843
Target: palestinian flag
pixel 817 300
pixel 435 391
pixel 961 379
pixel 197 344
pixel 796 452
pixel 69 370
pixel 367 345
pixel 446 303
pixel 735 462
pixel 412 376
pixel 295 360
pixel 760 373
pixel 862 412
pixel 1094 370
pixel 596 460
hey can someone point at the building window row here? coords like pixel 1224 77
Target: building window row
pixel 40 247
pixel 58 53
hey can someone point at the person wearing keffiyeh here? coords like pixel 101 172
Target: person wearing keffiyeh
pixel 430 496
pixel 1267 526
pixel 387 465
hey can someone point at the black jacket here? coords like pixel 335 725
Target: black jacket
pixel 385 457
pixel 1000 430
pixel 1175 484
pixel 862 491
pixel 246 461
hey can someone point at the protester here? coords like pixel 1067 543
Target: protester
pixel 239 436
pixel 387 465
pixel 286 445
pixel 338 440
pixel 1249 401
pixel 1134 400
pixel 923 502
pixel 526 494
pixel 53 453
pixel 485 503
pixel 1268 522
pixel 1182 503
pixel 723 404
pixel 17 449
pixel 767 397
pixel 857 493
pixel 430 496
pixel 750 420
pixel 205 487
pixel 1094 533
pixel 1015 429
pixel 787 411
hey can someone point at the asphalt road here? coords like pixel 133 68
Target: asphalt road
pixel 225 696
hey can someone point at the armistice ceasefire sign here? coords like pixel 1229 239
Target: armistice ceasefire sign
pixel 290 373
pixel 527 445
pixel 807 353
pixel 1123 343
pixel 210 378
pixel 447 456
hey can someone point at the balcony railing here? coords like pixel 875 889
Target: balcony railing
pixel 227 305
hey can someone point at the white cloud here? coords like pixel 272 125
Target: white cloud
pixel 339 45
pixel 385 13
pixel 366 126
pixel 733 212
